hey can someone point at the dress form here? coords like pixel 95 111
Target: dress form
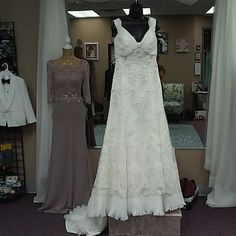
pixel 67 57
pixel 137 173
pixel 135 23
pixel 70 171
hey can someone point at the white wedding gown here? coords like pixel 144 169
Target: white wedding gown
pixel 137 172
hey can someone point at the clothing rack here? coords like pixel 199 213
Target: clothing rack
pixel 14 136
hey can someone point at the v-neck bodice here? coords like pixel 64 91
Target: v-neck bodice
pixel 127 45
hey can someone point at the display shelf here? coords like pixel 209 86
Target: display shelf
pixel 13 135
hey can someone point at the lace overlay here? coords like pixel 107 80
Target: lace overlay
pixel 66 82
pixel 137 172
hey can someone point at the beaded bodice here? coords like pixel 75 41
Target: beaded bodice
pixel 68 82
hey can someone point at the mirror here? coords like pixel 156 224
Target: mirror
pixel 184 66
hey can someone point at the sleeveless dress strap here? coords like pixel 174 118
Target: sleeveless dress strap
pixel 117 23
pixel 152 23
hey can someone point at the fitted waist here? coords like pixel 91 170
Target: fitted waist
pixel 136 62
pixel 136 58
pixel 68 98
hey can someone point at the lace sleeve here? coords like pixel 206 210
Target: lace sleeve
pixel 86 87
pixel 51 89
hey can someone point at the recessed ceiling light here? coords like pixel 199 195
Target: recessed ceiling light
pixel 146 11
pixel 211 10
pixel 83 14
pixel 126 11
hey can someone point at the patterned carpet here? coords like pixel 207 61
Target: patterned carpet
pixel 182 136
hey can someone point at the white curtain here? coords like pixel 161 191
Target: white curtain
pixel 221 132
pixel 53 29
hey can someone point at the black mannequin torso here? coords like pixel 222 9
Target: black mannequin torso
pixel 136 27
pixel 136 23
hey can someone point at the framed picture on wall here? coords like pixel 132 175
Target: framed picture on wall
pixel 8 47
pixel 198 48
pixel 182 45
pixel 197 56
pixel 91 51
pixel 197 69
pixel 162 44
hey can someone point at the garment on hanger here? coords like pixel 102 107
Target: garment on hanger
pixel 108 82
pixel 107 91
pixel 137 172
pixel 15 106
pixel 70 172
pixel 90 137
pixel 207 69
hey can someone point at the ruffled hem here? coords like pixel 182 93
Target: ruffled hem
pixel 92 220
pixel 101 205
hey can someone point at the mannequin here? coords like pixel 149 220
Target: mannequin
pixel 70 170
pixel 67 57
pixel 137 174
pixel 135 23
pixel 78 52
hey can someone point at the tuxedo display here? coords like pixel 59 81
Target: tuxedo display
pixel 15 106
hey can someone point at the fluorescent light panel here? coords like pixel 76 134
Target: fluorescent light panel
pixel 146 11
pixel 211 10
pixel 83 14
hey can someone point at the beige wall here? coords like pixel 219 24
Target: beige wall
pixel 94 30
pixel 179 66
pixel 25 16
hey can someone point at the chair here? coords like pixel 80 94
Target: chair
pixel 173 94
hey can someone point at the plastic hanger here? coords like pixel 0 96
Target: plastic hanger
pixel 6 73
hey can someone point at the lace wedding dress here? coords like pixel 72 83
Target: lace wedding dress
pixel 137 172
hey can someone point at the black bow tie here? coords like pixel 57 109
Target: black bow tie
pixel 5 81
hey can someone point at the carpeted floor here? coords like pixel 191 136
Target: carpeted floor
pixel 20 218
pixel 184 136
pixel 200 126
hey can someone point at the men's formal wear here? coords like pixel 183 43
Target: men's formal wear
pixel 15 106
